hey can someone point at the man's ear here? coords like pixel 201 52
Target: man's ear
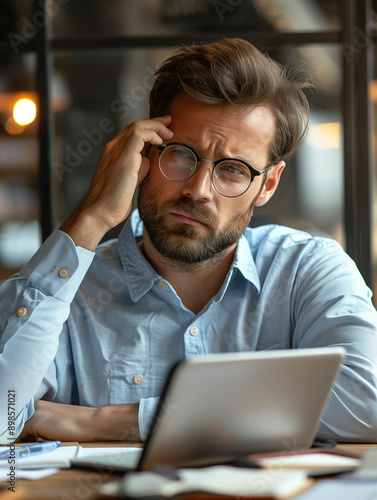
pixel 272 182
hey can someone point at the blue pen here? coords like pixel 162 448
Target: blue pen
pixel 28 450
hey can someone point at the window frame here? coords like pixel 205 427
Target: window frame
pixel 357 68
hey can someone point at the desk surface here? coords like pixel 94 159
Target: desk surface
pixel 74 484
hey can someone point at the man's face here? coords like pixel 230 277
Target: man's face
pixel 189 221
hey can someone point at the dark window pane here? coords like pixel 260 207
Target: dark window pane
pixel 151 17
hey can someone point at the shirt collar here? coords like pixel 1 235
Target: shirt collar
pixel 244 261
pixel 141 276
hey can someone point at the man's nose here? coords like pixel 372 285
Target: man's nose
pixel 199 186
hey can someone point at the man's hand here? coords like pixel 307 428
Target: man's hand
pixel 60 422
pixel 122 166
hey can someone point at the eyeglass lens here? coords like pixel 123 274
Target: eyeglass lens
pixel 230 177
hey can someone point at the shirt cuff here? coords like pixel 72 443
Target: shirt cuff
pixel 147 410
pixel 10 435
pixel 58 267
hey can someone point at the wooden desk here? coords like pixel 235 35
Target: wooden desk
pixel 67 484
pixel 74 484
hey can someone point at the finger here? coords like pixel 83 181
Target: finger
pixel 159 125
pixel 136 135
pixel 152 131
pixel 137 139
pixel 166 120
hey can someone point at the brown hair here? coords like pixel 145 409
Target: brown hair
pixel 232 71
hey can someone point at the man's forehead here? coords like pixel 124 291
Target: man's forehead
pixel 184 109
pixel 230 126
pixel 228 110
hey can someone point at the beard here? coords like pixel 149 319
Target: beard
pixel 182 242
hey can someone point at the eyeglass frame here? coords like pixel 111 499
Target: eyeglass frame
pixel 254 173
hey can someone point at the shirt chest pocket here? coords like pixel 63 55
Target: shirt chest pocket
pixel 130 374
pixel 143 348
pixel 129 382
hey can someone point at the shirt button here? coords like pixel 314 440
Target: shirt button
pixel 194 330
pixel 21 312
pixel 138 379
pixel 162 285
pixel 64 272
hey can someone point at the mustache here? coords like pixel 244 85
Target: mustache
pixel 193 208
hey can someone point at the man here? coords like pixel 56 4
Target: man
pixel 87 341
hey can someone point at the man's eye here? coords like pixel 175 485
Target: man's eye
pixel 182 153
pixel 232 169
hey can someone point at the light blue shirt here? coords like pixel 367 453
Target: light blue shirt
pixel 106 330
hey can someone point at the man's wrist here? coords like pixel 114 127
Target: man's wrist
pixel 85 230
pixel 117 423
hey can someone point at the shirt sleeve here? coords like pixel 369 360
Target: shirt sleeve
pixel 34 304
pixel 331 306
pixel 147 410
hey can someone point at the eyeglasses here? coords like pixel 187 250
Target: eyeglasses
pixel 230 177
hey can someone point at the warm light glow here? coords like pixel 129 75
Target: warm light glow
pixel 12 127
pixel 373 91
pixel 24 111
pixel 324 135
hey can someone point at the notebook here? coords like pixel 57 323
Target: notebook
pixel 219 407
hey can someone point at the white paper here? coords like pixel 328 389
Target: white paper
pixel 310 460
pixel 28 474
pixel 91 452
pixel 60 458
pixel 108 458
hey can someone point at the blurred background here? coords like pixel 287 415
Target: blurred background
pixel 73 73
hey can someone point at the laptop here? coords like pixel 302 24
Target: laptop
pixel 220 407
